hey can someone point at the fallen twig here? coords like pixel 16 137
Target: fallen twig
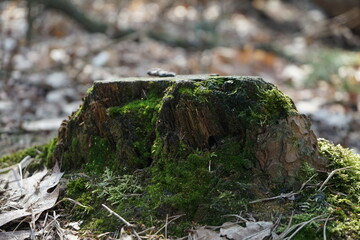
pixel 283 195
pixel 289 195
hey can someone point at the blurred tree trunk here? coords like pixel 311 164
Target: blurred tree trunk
pixel 69 9
pixel 350 9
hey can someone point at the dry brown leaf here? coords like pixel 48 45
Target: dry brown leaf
pixel 28 196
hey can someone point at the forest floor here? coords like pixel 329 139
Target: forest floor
pixel 43 81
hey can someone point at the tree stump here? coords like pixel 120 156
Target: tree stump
pixel 194 138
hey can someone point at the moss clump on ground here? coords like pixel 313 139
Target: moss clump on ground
pixel 343 191
pixel 42 154
pixel 123 193
pixel 11 159
pixel 339 199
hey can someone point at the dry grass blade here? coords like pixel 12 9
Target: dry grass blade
pixel 237 216
pixel 324 229
pixel 166 224
pixel 297 228
pixel 73 201
pixel 131 226
pixel 330 175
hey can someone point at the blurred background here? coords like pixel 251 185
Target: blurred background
pixel 52 51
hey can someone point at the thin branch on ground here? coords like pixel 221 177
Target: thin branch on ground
pixel 289 195
pixel 283 195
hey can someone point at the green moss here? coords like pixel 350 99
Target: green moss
pixel 306 172
pixel 78 112
pixel 339 198
pixel 90 89
pixel 48 152
pixel 200 91
pixel 187 91
pixel 270 106
pixel 233 156
pixel 142 107
pixel 276 105
pixel 182 184
pixel 201 184
pixel 42 154
pixel 344 189
pixel 100 156
pixel 140 116
pixel 14 158
pixel 122 193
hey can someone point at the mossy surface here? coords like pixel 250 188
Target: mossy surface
pixel 11 159
pixel 42 153
pixel 122 193
pixel 343 191
pixel 338 200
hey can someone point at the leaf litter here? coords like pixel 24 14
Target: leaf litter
pixel 25 197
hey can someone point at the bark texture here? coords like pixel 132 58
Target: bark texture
pixel 134 123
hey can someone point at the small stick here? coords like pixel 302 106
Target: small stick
pixel 146 230
pixel 283 195
pixel 118 216
pixel 304 184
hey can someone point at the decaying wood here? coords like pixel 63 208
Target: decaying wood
pixel 280 148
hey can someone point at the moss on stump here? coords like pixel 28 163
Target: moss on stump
pixel 198 145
